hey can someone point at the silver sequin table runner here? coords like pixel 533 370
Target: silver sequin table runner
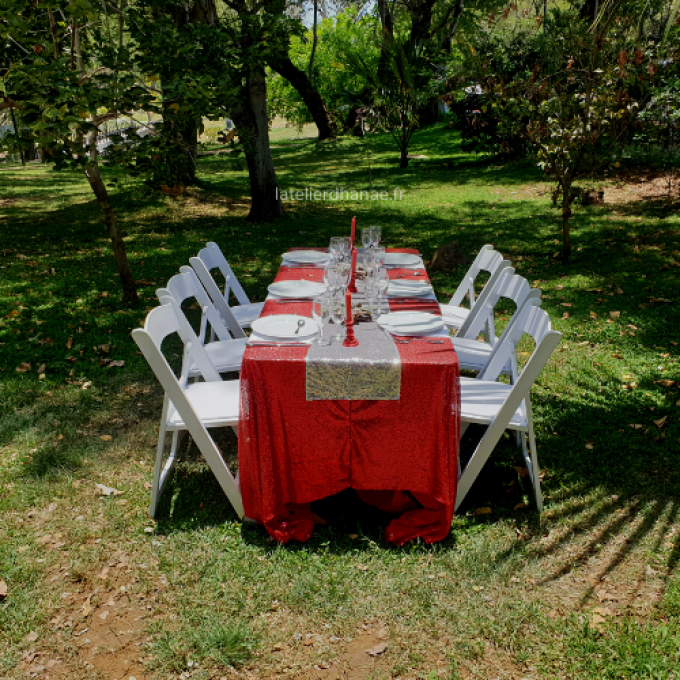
pixel 370 371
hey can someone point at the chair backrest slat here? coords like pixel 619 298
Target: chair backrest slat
pixel 205 277
pixel 214 258
pixel 488 259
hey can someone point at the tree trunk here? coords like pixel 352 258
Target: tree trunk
pixel 117 243
pixel 566 220
pixel 314 41
pixel 403 139
pixel 314 102
pixel 252 124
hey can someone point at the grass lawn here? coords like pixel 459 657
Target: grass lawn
pixel 95 588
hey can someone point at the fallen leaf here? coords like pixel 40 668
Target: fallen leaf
pixel 106 438
pixel 69 343
pixel 566 304
pixel 565 315
pixel 665 383
pixel 521 471
pixel 104 615
pixel 554 614
pixel 31 637
pixel 3 590
pixel 589 446
pixel 483 511
pixel 322 666
pixel 117 364
pixel 107 490
pixel 617 356
pixel 42 368
pixel 521 506
pixel 661 422
pixel 353 536
pixel 87 385
pixel 614 315
pixel 636 426
pixel 148 485
pixel 377 650
pixel 23 368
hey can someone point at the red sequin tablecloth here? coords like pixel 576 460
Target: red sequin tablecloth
pixel 401 456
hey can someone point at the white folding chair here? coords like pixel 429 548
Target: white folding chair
pixel 487 260
pixel 499 406
pixel 211 257
pixel 473 354
pixel 189 407
pixel 226 353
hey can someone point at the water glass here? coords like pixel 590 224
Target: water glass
pixel 367 237
pixel 379 254
pixel 321 312
pixel 336 248
pixel 371 293
pixel 383 281
pixel 347 246
pixel 376 235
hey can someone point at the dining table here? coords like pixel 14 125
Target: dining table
pixel 399 454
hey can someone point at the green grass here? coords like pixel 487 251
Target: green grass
pixel 507 593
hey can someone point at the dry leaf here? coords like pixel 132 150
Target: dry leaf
pixel 636 426
pixel 117 364
pixel 107 490
pixel 106 438
pixel 665 383
pixel 521 471
pixel 31 637
pixel 42 368
pixel 589 446
pixel 566 304
pixel 661 422
pixel 614 315
pixel 322 666
pixel 565 315
pixel 483 511
pixel 521 506
pixel 353 536
pixel 3 590
pixel 148 485
pixel 104 614
pixel 23 368
pixel 377 650
pixel 597 621
pixel 603 611
pixel 69 343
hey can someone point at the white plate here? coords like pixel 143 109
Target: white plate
pixel 296 289
pixel 411 323
pixel 408 288
pixel 283 326
pixel 305 257
pixel 403 259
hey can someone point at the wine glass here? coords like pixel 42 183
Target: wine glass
pixel 383 281
pixel 321 311
pixel 379 254
pixel 343 274
pixel 376 235
pixel 338 315
pixel 367 237
pixel 336 248
pixel 329 277
pixel 371 292
pixel 347 245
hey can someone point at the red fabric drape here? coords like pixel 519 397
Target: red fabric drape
pixel 293 451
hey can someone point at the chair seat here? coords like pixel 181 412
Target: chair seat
pixel 481 400
pixel 226 355
pixel 453 316
pixel 246 314
pixel 215 403
pixel 473 354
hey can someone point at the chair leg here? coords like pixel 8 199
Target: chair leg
pixel 155 489
pixel 536 473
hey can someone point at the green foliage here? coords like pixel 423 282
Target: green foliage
pixel 331 76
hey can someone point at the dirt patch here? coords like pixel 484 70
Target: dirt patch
pixel 360 657
pixel 635 187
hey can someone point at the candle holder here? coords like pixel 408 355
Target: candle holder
pixel 350 339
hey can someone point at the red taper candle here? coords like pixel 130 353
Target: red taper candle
pixel 354 230
pixel 352 283
pixel 350 339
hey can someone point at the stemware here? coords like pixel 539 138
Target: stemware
pixel 367 237
pixel 338 310
pixel 343 274
pixel 336 248
pixel 321 311
pixel 371 293
pixel 383 282
pixel 347 246
pixel 376 235
pixel 379 254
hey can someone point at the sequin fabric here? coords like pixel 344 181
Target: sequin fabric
pixel 400 455
pixel 370 371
